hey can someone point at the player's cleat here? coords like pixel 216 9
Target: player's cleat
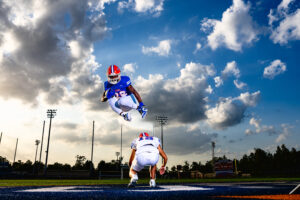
pixel 126 116
pixel 133 181
pixel 143 111
pixel 152 183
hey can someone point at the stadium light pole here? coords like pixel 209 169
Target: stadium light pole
pixel 0 137
pixel 162 120
pixel 42 142
pixel 16 150
pixel 50 114
pixel 37 142
pixel 92 153
pixel 213 144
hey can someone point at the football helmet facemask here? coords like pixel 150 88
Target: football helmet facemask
pixel 113 74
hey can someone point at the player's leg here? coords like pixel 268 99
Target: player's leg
pixel 134 169
pixel 152 176
pixel 113 102
pixel 127 103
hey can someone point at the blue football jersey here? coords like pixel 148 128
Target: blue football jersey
pixel 119 88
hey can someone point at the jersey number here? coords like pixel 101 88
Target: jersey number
pixel 121 94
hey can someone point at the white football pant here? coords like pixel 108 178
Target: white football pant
pixel 144 159
pixel 123 104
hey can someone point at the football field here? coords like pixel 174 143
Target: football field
pixel 245 190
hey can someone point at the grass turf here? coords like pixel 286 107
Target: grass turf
pixel 41 182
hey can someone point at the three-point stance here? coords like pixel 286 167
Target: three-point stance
pixel 145 152
pixel 118 92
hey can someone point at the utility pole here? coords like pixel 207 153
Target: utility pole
pixel 50 114
pixel 42 142
pixel 0 137
pixel 213 144
pixel 16 150
pixel 162 120
pixel 92 153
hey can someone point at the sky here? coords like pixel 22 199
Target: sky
pixel 223 71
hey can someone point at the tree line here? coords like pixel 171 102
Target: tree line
pixel 283 162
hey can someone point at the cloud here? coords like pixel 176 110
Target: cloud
pixel 218 81
pixel 271 130
pixel 142 6
pixel 284 134
pixel 52 56
pixel 230 111
pixel 288 27
pixel 198 47
pixel 231 69
pixel 277 67
pixel 163 48
pixel 183 98
pixel 239 84
pixel 234 30
pixel 129 68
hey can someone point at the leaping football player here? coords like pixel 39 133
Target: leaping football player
pixel 145 152
pixel 119 94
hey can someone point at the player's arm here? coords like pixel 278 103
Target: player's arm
pixel 131 157
pixel 135 93
pixel 165 160
pixel 163 155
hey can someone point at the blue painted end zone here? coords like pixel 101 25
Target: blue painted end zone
pixel 187 191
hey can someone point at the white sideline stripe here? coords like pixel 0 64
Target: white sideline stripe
pixel 173 188
pixel 255 187
pixel 294 189
pixel 61 189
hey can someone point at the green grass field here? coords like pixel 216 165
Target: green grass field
pixel 11 183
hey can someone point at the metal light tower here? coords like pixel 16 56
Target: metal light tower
pixel 16 150
pixel 37 142
pixel 162 120
pixel 0 137
pixel 121 158
pixel 92 153
pixel 42 141
pixel 213 144
pixel 50 114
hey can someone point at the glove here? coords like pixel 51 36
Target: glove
pixel 110 93
pixel 141 104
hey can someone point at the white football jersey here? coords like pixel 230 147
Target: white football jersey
pixel 145 143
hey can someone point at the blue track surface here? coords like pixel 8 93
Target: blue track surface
pixel 143 192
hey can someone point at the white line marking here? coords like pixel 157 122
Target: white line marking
pixel 294 189
pixel 61 189
pixel 172 188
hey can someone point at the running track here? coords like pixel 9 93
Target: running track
pixel 216 191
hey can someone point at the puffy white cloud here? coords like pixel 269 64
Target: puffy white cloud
pixel 289 27
pixel 142 6
pixel 235 29
pixel 163 48
pixel 284 134
pixel 218 81
pixel 271 130
pixel 239 84
pixel 183 98
pixel 277 67
pixel 230 111
pixel 58 61
pixel 231 69
pixel 129 68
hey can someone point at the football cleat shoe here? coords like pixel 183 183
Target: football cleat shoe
pixel 143 111
pixel 152 183
pixel 133 181
pixel 126 116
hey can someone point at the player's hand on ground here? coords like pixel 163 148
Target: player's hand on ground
pixel 162 170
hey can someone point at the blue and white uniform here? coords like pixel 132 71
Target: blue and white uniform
pixel 146 154
pixel 123 100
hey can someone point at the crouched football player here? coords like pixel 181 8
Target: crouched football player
pixel 145 152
